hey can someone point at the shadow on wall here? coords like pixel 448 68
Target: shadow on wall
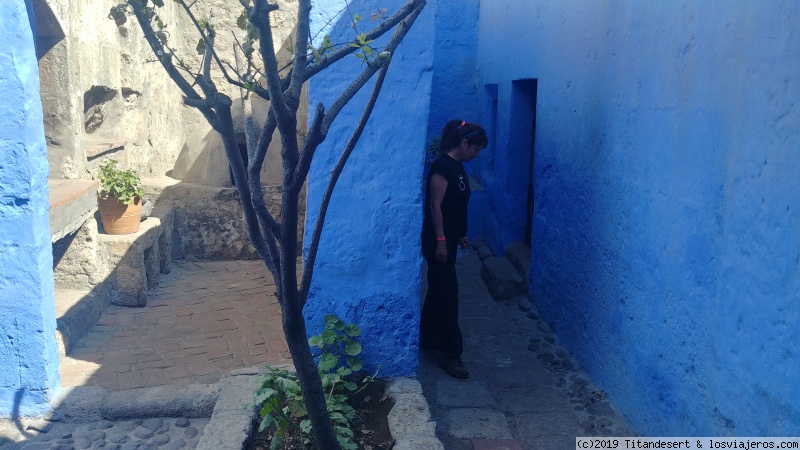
pixel 202 159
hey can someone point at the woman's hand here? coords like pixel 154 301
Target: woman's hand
pixel 441 251
pixel 464 242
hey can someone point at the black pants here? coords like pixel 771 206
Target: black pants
pixel 439 321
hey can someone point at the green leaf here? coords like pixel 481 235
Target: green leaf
pixel 287 385
pixel 266 410
pixel 297 407
pixel 201 46
pixel 352 330
pixel 352 348
pixel 242 21
pixel 305 425
pixel 316 341
pixel 328 337
pixel 265 423
pixel 159 3
pixel 263 394
pixel 343 371
pixel 354 363
pixel 327 361
pixel 277 442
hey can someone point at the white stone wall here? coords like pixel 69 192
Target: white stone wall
pixel 144 111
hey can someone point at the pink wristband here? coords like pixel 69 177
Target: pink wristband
pixel 441 238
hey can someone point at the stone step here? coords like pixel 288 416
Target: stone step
pixel 76 313
pixel 519 255
pixel 502 278
pixel 482 249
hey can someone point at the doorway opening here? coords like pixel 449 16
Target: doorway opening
pixel 522 139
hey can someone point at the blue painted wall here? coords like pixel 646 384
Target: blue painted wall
pixel 455 76
pixel 455 82
pixel 29 370
pixel 666 240
pixel 369 258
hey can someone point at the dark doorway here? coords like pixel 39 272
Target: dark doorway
pixel 523 116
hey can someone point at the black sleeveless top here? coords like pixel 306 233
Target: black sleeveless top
pixel 454 204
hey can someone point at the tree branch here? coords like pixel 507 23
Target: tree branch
pixel 375 33
pixel 308 269
pixel 268 223
pixel 140 12
pixel 266 248
pixel 313 139
pixel 301 50
pixel 402 29
pixel 209 44
pixel 259 17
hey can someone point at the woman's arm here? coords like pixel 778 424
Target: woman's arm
pixel 438 188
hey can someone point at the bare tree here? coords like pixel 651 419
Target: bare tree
pixel 276 240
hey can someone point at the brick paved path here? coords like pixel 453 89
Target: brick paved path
pixel 204 320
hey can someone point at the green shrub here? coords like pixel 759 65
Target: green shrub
pixel 123 185
pixel 281 398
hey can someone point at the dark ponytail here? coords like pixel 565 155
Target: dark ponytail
pixel 456 130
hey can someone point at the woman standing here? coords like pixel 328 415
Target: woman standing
pixel 444 228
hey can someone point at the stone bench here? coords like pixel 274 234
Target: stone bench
pixel 136 260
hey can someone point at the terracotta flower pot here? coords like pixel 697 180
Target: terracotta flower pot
pixel 118 217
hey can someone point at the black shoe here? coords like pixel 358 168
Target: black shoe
pixel 455 368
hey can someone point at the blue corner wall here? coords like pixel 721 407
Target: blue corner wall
pixel 369 257
pixel 666 234
pixel 29 370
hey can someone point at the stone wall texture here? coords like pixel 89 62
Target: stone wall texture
pixel 100 84
pixel 29 369
pixel 368 266
pixel 665 234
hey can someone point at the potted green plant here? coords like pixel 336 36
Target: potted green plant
pixel 120 199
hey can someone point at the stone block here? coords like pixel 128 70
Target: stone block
pixel 234 414
pixel 410 419
pixel 195 400
pixel 72 202
pixel 502 278
pixel 137 259
pixel 482 250
pixel 77 263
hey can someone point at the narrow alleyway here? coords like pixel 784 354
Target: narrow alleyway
pixel 524 392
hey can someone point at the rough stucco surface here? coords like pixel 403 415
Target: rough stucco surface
pixel 665 243
pixel 368 264
pixel 454 83
pixel 29 373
